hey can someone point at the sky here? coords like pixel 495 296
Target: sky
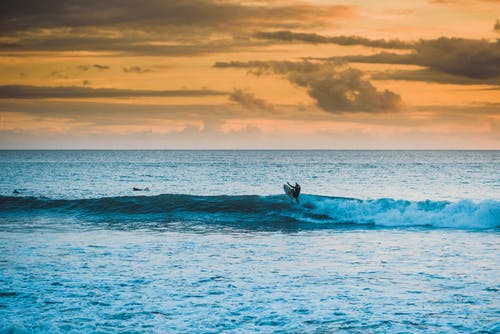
pixel 250 74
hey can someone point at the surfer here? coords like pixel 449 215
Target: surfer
pixel 295 191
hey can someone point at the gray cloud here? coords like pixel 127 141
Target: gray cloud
pixel 100 67
pixel 31 14
pixel 470 58
pixel 476 59
pixel 338 91
pixel 136 26
pixel 107 113
pixel 85 68
pixel 249 100
pixel 136 69
pixel 258 67
pixel 428 75
pixel 289 36
pixel 130 45
pixel 41 92
pixel 335 89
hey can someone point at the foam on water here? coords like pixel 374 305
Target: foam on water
pixel 321 281
pixel 412 246
pixel 319 211
pixel 390 212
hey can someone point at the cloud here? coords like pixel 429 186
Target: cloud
pixel 289 36
pixel 470 58
pixel 113 113
pixel 31 14
pixel 41 92
pixel 496 27
pixel 65 124
pixel 85 68
pixel 249 100
pixel 100 67
pixel 334 88
pixel 346 90
pixel 136 69
pixel 150 26
pixel 76 124
pixel 428 75
pixel 132 45
pixel 258 67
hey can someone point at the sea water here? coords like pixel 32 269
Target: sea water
pixel 382 241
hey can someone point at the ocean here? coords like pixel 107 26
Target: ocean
pixel 381 242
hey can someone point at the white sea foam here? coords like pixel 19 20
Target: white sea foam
pixel 390 212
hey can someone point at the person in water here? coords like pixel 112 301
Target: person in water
pixel 295 191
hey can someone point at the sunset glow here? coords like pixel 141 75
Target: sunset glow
pixel 250 74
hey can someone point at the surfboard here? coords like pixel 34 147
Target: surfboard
pixel 288 190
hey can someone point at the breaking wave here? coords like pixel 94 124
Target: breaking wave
pixel 252 211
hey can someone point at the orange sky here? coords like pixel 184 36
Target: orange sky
pixel 250 74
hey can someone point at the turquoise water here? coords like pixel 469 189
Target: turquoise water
pixel 383 241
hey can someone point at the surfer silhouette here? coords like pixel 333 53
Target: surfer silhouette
pixel 295 191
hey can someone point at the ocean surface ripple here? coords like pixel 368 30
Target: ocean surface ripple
pixel 381 242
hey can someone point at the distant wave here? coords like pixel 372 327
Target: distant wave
pixel 252 211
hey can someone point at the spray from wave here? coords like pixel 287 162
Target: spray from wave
pixel 250 210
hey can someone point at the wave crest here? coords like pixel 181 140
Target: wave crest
pixel 390 212
pixel 313 212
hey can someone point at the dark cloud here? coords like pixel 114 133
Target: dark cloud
pixel 131 45
pixel 100 67
pixel 41 92
pixel 114 113
pixel 249 100
pixel 18 15
pixel 258 67
pixel 334 88
pixel 496 27
pixel 85 68
pixel 142 27
pixel 476 59
pixel 470 58
pixel 136 69
pixel 11 46
pixel 347 90
pixel 124 113
pixel 428 75
pixel 379 58
pixel 289 36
